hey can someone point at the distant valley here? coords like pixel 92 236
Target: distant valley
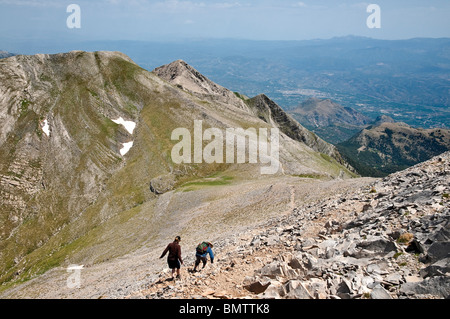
pixel 374 147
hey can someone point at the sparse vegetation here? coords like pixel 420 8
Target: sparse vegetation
pixel 396 255
pixel 207 181
pixel 312 176
pixel 405 238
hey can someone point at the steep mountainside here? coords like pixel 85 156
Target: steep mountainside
pixel 386 147
pixel 86 148
pixel 270 112
pixel 381 239
pixel 330 120
pixel 180 74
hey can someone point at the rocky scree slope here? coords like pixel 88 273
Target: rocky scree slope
pixel 390 240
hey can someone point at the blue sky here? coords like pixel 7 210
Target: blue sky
pixel 243 19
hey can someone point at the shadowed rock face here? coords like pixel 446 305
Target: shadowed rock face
pixel 65 120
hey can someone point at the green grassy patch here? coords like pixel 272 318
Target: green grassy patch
pixel 212 180
pixel 312 176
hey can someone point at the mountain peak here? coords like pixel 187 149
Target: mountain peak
pixel 186 77
pixel 181 74
pixel 5 54
pixel 383 119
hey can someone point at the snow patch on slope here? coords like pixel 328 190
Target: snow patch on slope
pixel 46 128
pixel 129 125
pixel 126 147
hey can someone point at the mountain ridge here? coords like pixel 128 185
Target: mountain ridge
pixel 181 74
pixel 387 146
pixel 66 185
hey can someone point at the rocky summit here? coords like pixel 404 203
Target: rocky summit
pixel 387 240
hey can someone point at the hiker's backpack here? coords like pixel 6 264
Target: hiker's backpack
pixel 202 248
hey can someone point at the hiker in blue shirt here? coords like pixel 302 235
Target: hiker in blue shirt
pixel 201 253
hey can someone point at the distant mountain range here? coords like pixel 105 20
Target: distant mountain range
pixel 388 146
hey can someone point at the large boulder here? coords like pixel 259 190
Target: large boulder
pixel 375 246
pixel 256 285
pixel 438 251
pixel 380 293
pixel 439 268
pixel 162 184
pixel 295 289
pixel 437 286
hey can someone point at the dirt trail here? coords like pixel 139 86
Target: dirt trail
pixel 139 275
pixel 238 258
pixel 386 240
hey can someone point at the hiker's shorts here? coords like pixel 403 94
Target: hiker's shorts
pixel 174 264
pixel 200 258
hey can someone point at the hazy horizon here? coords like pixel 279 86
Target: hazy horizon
pixel 45 21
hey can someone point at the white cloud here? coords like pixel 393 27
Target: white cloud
pixel 360 5
pixel 33 3
pixel 184 5
pixel 300 4
pixel 226 5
